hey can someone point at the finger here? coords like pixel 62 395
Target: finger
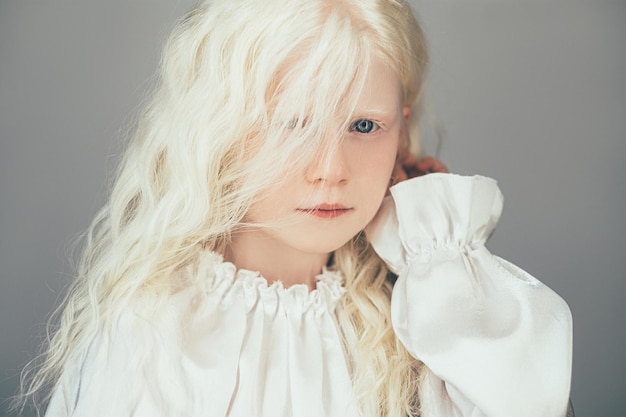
pixel 409 159
pixel 398 174
pixel 430 165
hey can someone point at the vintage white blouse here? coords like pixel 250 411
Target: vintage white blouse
pixel 498 342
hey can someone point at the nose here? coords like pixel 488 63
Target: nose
pixel 329 167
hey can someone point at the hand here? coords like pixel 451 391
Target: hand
pixel 408 166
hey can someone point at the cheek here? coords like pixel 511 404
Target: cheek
pixel 375 168
pixel 376 163
pixel 271 205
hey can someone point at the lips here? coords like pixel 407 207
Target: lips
pixel 327 210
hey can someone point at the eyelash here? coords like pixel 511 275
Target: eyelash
pixel 374 126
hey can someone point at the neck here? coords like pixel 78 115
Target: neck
pixel 255 251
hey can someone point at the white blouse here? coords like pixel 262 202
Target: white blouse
pixel 498 342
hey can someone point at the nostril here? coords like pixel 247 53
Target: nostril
pixel 332 171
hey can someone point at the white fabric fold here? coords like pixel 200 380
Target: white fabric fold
pixel 231 346
pixel 498 341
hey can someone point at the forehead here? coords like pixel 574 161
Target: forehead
pixel 381 89
pixel 331 93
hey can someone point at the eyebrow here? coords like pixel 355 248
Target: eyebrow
pixel 376 112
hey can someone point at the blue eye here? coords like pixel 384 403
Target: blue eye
pixel 364 126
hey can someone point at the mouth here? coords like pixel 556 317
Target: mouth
pixel 326 210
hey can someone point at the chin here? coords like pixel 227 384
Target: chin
pixel 325 245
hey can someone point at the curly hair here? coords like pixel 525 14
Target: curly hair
pixel 234 71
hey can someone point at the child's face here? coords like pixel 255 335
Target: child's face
pixel 319 208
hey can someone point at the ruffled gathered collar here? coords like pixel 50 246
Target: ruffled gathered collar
pixel 216 278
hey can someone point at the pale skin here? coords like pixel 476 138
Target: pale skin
pixel 324 205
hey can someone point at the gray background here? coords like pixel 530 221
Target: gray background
pixel 532 93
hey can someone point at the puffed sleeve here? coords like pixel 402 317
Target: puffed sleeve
pixel 496 340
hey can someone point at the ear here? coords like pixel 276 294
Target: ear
pixel 406 112
pixel 404 145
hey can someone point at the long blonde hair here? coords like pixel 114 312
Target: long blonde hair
pixel 234 71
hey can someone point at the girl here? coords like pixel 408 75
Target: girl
pixel 249 264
